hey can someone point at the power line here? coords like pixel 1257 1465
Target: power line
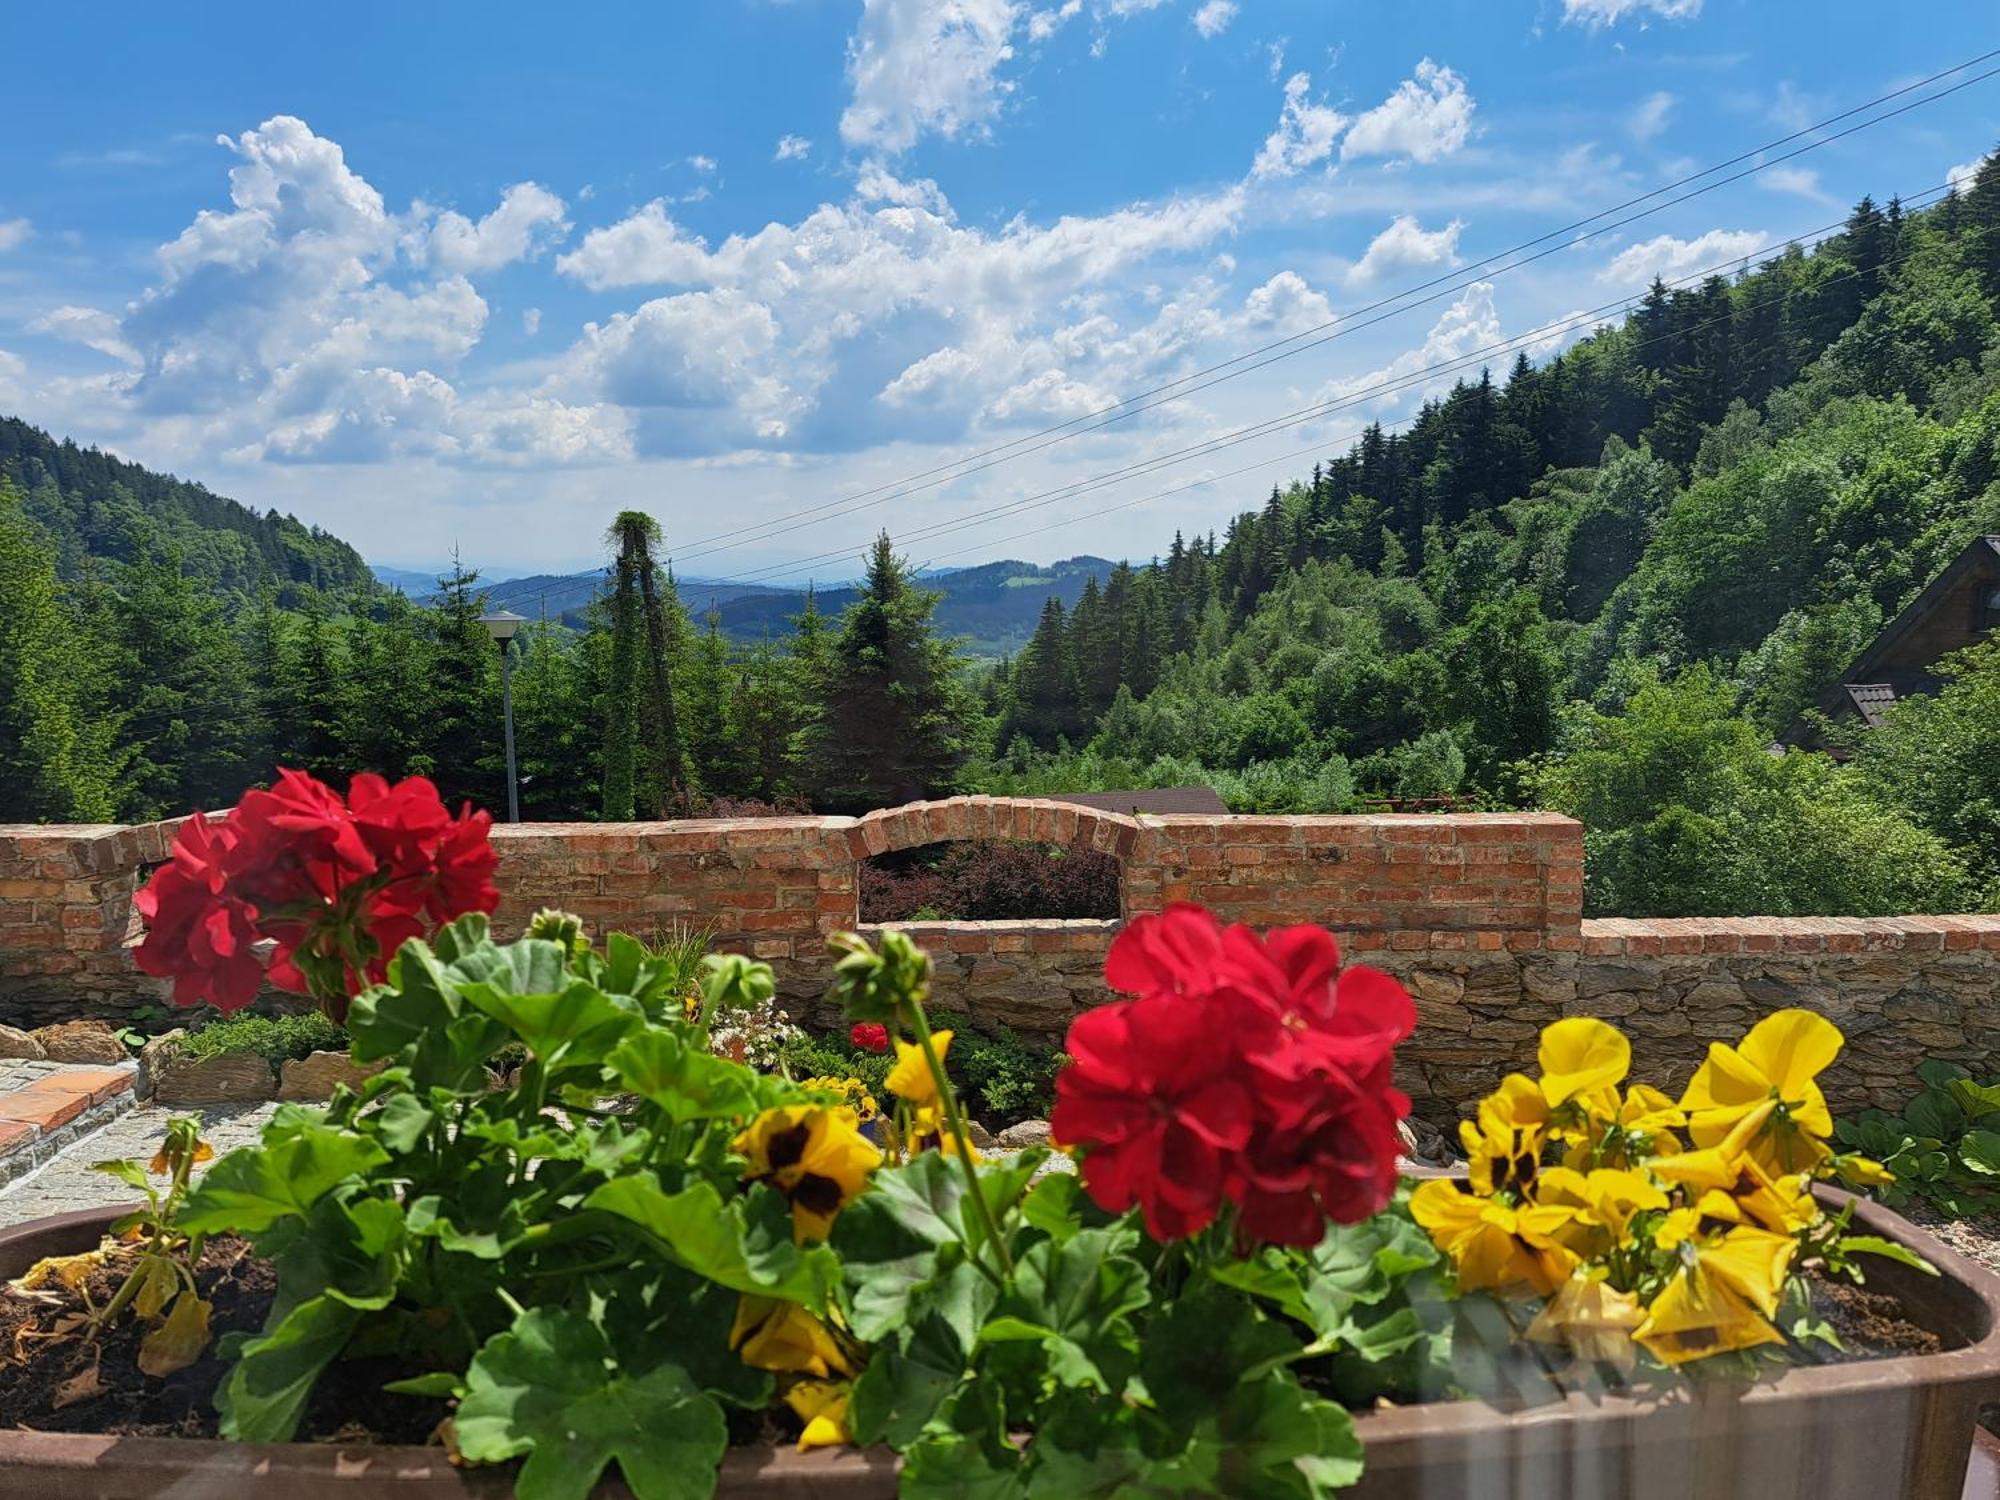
pixel 1459 279
pixel 1517 343
pixel 199 718
pixel 1243 364
pixel 1299 417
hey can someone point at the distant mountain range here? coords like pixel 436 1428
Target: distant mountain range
pixel 993 606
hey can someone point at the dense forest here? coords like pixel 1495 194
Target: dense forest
pixel 1601 584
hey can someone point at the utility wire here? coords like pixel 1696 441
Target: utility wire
pixel 1459 279
pixel 1255 359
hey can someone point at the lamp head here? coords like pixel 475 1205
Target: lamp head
pixel 502 624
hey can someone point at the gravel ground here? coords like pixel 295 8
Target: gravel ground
pixel 1976 1239
pixel 68 1182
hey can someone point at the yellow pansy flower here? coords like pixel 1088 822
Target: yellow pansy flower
pixel 1494 1246
pixel 817 1157
pixel 1769 1074
pixel 930 1131
pixel 1862 1171
pixel 1591 1318
pixel 1503 1149
pixel 1729 1184
pixel 1724 1296
pixel 783 1337
pixel 911 1077
pixel 822 1406
pixel 1581 1056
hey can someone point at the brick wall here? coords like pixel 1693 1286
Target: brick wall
pixel 1479 914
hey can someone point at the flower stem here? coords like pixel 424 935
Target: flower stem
pixel 955 1121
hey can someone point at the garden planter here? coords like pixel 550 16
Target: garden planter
pixel 1889 1429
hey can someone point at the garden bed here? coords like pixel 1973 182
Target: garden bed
pixel 1864 1429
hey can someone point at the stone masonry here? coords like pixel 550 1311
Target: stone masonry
pixel 1479 914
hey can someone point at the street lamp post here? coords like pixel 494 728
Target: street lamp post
pixel 501 625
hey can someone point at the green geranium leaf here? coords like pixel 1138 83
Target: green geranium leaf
pixel 1052 1205
pixel 547 1389
pixel 418 1019
pixel 1202 1346
pixel 953 1466
pixel 892 1241
pixel 574 1027
pixel 439 1383
pixel 745 1243
pixel 301 1159
pixel 901 1389
pixel 352 1252
pixel 403 1122
pixel 1075 1298
pixel 261 1398
pixel 688 1083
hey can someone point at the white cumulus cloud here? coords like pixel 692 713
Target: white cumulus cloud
pixel 1214 16
pixel 1960 177
pixel 926 66
pixel 791 148
pixel 1286 304
pixel 89 326
pixel 1597 13
pixel 529 220
pixel 1668 257
pixel 1407 245
pixel 1426 118
pixel 1305 135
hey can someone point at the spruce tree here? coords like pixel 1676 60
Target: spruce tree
pixel 892 714
pixel 1046 704
pixel 56 763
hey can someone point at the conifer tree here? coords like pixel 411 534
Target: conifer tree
pixel 56 763
pixel 646 770
pixel 893 718
pixel 1046 704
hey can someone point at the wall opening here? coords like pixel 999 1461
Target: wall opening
pixel 990 880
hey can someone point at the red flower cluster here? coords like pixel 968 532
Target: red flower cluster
pixel 338 885
pixel 1249 1069
pixel 869 1037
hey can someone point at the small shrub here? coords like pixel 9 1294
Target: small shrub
pixel 1004 1078
pixel 1005 881
pixel 276 1038
pixel 1944 1147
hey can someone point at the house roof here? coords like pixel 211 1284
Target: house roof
pixel 1985 549
pixel 1166 799
pixel 1871 700
pixel 1860 688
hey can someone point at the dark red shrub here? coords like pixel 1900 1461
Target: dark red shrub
pixel 989 882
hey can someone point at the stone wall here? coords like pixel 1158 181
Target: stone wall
pixel 1479 914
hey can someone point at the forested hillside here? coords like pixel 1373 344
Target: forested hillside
pixel 100 510
pixel 1602 584
pixel 1598 584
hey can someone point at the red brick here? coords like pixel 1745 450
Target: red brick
pixel 43 1104
pixel 14 1133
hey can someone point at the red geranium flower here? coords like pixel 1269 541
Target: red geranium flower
pixel 198 934
pixel 338 886
pixel 869 1037
pixel 1250 1069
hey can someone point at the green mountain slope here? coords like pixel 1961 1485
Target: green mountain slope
pixel 1600 584
pixel 98 507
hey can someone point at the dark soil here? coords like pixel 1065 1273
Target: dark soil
pixel 39 1368
pixel 1871 1325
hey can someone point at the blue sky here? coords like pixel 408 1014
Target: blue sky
pixel 479 276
